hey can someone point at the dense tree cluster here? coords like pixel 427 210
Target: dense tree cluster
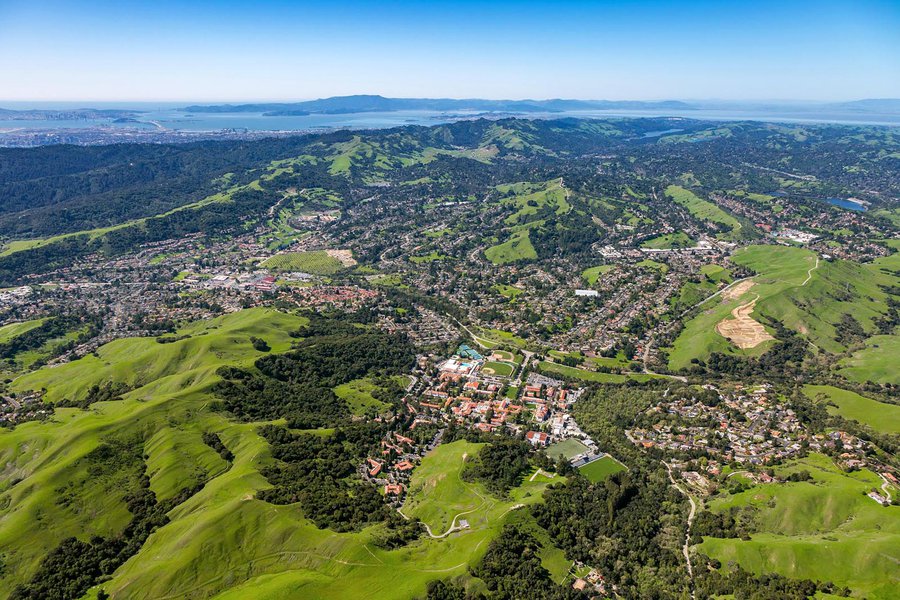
pixel 298 385
pixel 500 465
pixel 215 442
pixel 53 328
pixel 512 570
pixel 111 390
pixel 743 585
pixel 313 470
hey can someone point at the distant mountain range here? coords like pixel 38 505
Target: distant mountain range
pixel 876 105
pixel 371 103
pixel 374 103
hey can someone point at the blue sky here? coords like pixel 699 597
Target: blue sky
pixel 281 50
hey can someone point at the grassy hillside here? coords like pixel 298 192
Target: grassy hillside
pixel 168 410
pixel 703 210
pixel 825 529
pixel 850 405
pixel 806 294
pixel 221 542
pixel 592 274
pixel 877 361
pixel 8 332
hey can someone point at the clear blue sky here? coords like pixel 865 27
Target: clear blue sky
pixel 282 50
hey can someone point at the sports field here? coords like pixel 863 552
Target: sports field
pixel 497 368
pixel 316 262
pixel 601 469
pixel 567 449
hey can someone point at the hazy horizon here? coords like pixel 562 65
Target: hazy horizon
pixel 181 102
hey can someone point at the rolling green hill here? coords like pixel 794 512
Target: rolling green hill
pixel 221 541
pixel 792 286
pixel 168 410
pixel 825 529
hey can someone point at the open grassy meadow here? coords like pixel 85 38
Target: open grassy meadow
pixel 585 375
pixel 825 529
pixel 8 332
pixel 669 241
pixel 592 274
pixel 517 247
pixel 358 396
pixel 877 362
pixel 850 405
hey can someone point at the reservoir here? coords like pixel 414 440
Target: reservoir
pixel 848 204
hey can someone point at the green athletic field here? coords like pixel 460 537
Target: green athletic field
pixel 499 368
pixel 567 449
pixel 601 469
pixel 316 262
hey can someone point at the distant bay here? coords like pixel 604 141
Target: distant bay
pixel 173 117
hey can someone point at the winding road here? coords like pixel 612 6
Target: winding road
pixel 686 548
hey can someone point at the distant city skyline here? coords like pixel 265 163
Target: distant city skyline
pixel 275 50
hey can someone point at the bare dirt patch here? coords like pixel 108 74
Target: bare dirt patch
pixel 735 292
pixel 742 330
pixel 345 256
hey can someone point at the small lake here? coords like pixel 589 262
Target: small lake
pixel 848 204
pixel 651 134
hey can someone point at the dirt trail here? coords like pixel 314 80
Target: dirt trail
pixel 453 527
pixel 686 548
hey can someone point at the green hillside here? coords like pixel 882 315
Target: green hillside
pixel 166 413
pixel 825 529
pixel 806 294
pixel 850 405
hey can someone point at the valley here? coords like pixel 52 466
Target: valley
pixel 557 358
